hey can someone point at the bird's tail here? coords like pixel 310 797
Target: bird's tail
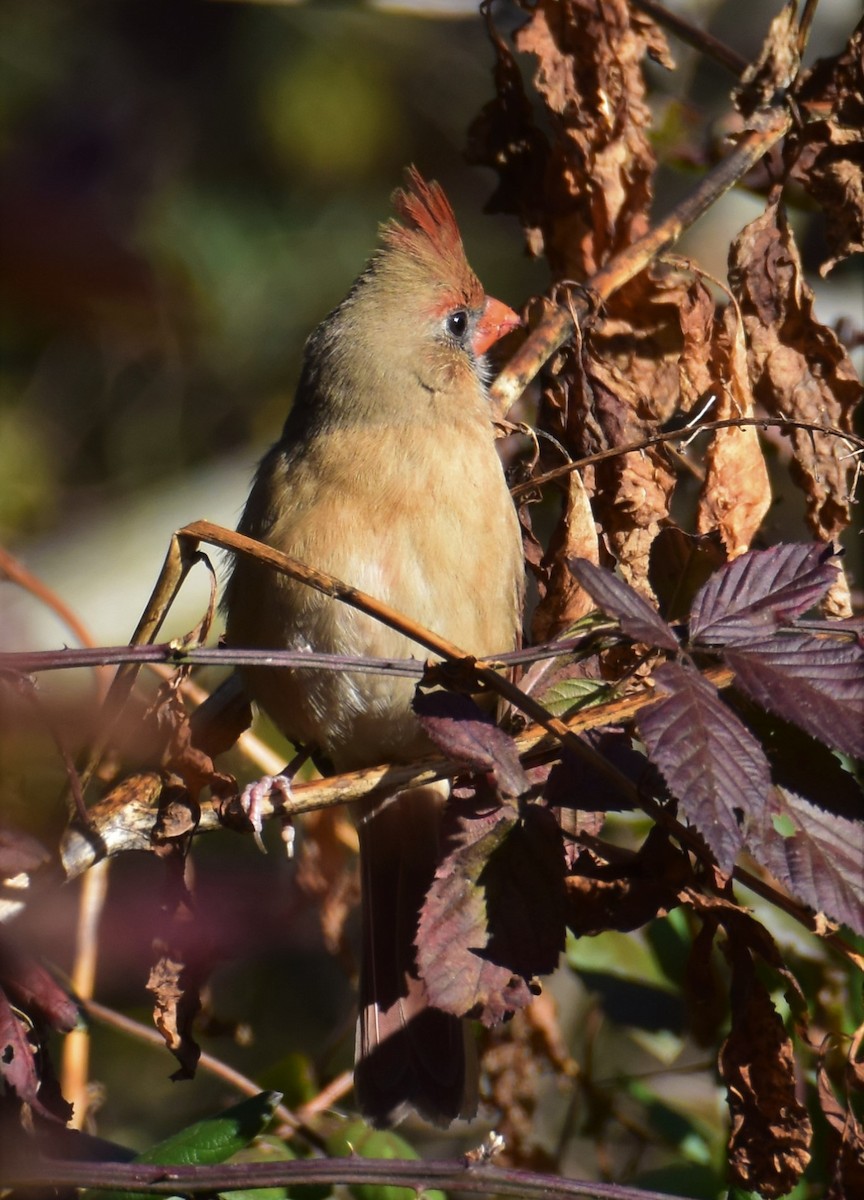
pixel 409 1055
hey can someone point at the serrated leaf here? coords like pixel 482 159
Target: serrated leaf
pixel 616 598
pixel 820 861
pixel 571 695
pixel 817 683
pixel 712 764
pixel 461 729
pixel 760 591
pixel 494 916
pixel 213 1140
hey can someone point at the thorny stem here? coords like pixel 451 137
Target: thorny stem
pixel 474 1175
pixel 26 661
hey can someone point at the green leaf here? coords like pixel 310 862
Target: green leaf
pixel 213 1140
pixel 571 695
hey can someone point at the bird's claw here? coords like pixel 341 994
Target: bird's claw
pixel 253 796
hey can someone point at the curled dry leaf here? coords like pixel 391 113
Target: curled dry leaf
pixel 736 493
pixel 599 161
pixel 174 1010
pixel 845 1137
pixel 575 536
pixel 830 162
pixel 628 893
pixel 800 370
pixel 776 66
pixel 637 366
pixel 769 1144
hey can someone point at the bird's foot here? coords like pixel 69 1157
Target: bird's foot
pixel 251 804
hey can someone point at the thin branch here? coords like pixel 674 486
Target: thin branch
pixel 75 1069
pixel 207 1062
pixel 33 661
pixel 693 36
pixel 17 573
pixel 543 341
pixel 671 435
pixel 116 829
pixel 465 1176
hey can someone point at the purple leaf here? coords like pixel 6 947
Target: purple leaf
pixel 20 1066
pixel 712 764
pixel 35 990
pixel 461 730
pixel 618 599
pixel 494 916
pixel 817 683
pixel 820 862
pixel 760 591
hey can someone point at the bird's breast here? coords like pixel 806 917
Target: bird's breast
pixel 426 525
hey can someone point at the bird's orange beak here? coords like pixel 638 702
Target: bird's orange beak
pixel 497 320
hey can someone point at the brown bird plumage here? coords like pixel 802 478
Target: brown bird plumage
pixel 386 475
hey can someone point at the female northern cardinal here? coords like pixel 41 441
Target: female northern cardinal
pixel 386 475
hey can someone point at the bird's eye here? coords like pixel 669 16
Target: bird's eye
pixel 457 323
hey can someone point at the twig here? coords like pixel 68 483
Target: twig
pixel 542 343
pixel 208 1062
pixel 467 1176
pixel 699 39
pixel 76 1046
pixel 115 830
pixel 27 661
pixel 670 435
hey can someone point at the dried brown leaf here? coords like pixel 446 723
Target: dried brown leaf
pixel 736 493
pixel 518 1060
pixel 629 892
pixel 798 369
pixel 175 1008
pixel 830 149
pixel 696 313
pixel 845 1138
pixel 769 1144
pixel 575 536
pixel 776 66
pixel 582 187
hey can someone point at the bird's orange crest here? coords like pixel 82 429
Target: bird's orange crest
pixel 430 233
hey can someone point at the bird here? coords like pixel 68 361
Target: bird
pixel 387 476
